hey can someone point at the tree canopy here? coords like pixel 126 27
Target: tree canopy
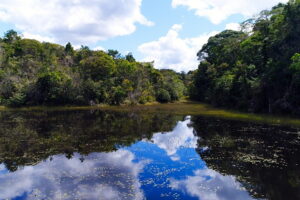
pixel 35 73
pixel 256 69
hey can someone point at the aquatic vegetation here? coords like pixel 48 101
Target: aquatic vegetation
pixel 265 158
pixel 145 154
pixel 179 108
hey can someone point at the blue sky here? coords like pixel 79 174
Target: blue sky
pixel 169 32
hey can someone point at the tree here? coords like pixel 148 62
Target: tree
pixel 100 66
pixel 253 70
pixel 11 36
pixel 52 88
pixel 69 49
pixel 114 53
pixel 163 96
pixel 35 73
pixel 130 57
pixel 222 48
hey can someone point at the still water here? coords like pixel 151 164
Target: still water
pixel 121 155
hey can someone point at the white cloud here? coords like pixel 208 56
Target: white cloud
pixel 37 37
pixel 100 176
pixel 233 26
pixel 2 167
pixel 208 184
pixel 78 21
pixel 98 48
pixel 219 10
pixel 173 52
pixel 182 136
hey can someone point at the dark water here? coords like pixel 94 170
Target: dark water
pixel 111 156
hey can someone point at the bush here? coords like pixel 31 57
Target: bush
pixel 118 95
pixel 53 88
pixel 7 89
pixel 163 96
pixel 146 97
pixel 173 94
pixel 93 91
pixel 18 99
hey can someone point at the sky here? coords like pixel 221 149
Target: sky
pixel 168 32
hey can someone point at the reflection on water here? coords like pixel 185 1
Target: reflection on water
pixel 265 159
pixel 100 176
pixel 103 155
pixel 207 184
pixel 182 136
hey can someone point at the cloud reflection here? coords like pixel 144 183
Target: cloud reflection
pixel 208 184
pixel 109 176
pixel 182 136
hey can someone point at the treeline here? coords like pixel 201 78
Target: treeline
pixel 256 69
pixel 35 73
pixel 25 140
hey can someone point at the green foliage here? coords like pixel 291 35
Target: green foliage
pixel 69 49
pixel 130 57
pixel 171 82
pixel 98 67
pixel 163 96
pixel 8 88
pixel 11 36
pixel 222 48
pixel 99 132
pixel 295 66
pixel 93 91
pixel 52 88
pixel 118 95
pixel 18 99
pixel 114 53
pixel 34 73
pixel 256 70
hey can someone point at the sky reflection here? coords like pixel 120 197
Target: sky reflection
pixel 166 167
pixel 182 136
pixel 208 184
pixel 110 176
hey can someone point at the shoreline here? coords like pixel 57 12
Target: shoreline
pixel 178 108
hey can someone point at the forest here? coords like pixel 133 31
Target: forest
pixel 34 73
pixel 256 69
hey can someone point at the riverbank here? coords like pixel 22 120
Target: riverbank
pixel 178 108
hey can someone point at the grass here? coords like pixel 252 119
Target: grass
pixel 179 108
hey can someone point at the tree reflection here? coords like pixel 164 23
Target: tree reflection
pixel 264 158
pixel 27 138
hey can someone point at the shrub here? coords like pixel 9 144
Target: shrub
pixel 18 99
pixel 163 96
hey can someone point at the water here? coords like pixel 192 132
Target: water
pixel 122 155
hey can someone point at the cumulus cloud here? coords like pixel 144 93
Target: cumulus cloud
pixel 218 10
pixel 173 52
pixel 233 26
pixel 2 167
pixel 38 37
pixel 110 176
pixel 182 136
pixel 98 48
pixel 208 184
pixel 78 21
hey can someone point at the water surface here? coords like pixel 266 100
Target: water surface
pixel 132 155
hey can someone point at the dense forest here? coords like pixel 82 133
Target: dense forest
pixel 35 73
pixel 256 69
